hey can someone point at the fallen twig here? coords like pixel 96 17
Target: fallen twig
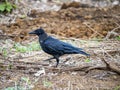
pixel 111 66
pixel 95 32
pixel 112 32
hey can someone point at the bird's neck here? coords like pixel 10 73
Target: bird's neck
pixel 43 37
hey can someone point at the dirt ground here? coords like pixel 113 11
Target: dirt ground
pixel 88 22
pixel 93 29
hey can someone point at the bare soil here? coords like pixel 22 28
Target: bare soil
pixel 72 22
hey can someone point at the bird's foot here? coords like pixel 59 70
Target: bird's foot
pixel 48 59
pixel 88 56
pixel 54 66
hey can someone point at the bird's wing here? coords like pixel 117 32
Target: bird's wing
pixel 53 46
pixel 70 49
pixel 56 46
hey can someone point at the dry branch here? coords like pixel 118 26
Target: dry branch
pixel 112 32
pixel 111 66
pixel 96 67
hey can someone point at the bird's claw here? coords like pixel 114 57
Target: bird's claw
pixel 47 60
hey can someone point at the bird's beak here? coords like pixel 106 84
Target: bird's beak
pixel 33 32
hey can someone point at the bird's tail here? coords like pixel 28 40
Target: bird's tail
pixel 84 53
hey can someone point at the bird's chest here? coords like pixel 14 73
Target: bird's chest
pixel 43 46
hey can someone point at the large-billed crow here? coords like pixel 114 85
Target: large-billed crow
pixel 55 47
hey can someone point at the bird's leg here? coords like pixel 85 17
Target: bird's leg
pixel 57 60
pixel 88 56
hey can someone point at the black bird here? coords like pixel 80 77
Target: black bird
pixel 55 47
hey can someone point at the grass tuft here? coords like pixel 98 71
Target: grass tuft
pixel 34 46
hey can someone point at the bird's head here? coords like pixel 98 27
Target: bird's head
pixel 38 32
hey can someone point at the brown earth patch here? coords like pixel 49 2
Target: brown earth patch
pixel 72 22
